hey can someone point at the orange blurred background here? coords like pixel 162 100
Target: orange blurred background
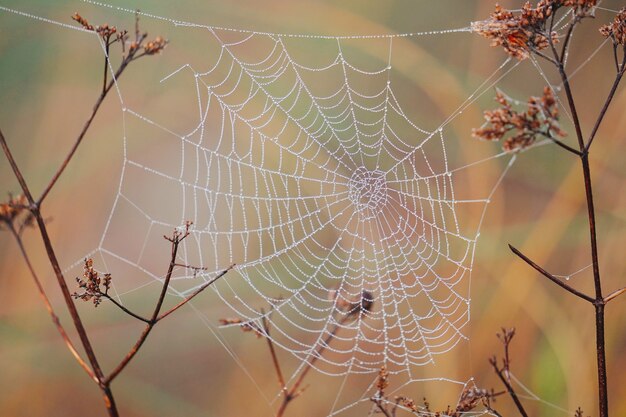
pixel 49 78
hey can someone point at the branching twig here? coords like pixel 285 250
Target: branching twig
pixel 275 361
pixel 345 311
pixel 529 32
pixel 620 73
pixel 136 50
pixel 471 398
pixel 295 391
pixel 78 324
pixel 614 294
pixel 175 240
pixel 55 319
pixel 551 277
pixel 504 372
pixel 193 294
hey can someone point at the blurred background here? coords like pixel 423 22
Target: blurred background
pixel 49 78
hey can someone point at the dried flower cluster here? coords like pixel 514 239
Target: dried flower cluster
pixel 13 208
pixel 581 8
pixel 93 287
pixel 383 380
pixel 527 31
pixel 111 35
pixel 541 118
pixel 155 46
pixel 82 21
pixel 408 403
pixel 471 398
pixel 579 412
pixel 179 233
pixel 150 48
pixel 616 30
pixel 105 31
pixel 15 214
pixel 506 336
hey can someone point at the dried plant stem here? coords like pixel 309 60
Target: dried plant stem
pixel 173 309
pixel 49 308
pixel 614 294
pixel 69 303
pixel 93 369
pixel 105 91
pixel 193 294
pixel 621 69
pixel 505 381
pixel 551 277
pixel 504 372
pixel 289 394
pixel 381 407
pixel 597 300
pixel 175 241
pixel 528 32
pixel 568 38
pixel 124 309
pixel 105 74
pixel 35 208
pixel 564 146
pixel 275 361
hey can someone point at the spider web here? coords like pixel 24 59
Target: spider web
pixel 301 166
pixel 323 192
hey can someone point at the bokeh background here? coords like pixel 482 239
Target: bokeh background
pixel 49 76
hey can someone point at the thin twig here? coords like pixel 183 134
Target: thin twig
pixel 568 37
pixel 124 309
pixel 493 411
pixel 509 387
pixel 380 406
pixel 598 302
pixel 195 293
pixel 275 361
pixel 129 58
pixel 504 373
pixel 175 240
pixel 49 308
pixel 78 324
pixel 614 294
pixel 615 58
pixel 16 170
pixel 152 321
pixel 560 143
pixel 544 56
pixel 551 277
pixel 607 103
pixel 295 391
pixel 106 65
pixel 566 85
